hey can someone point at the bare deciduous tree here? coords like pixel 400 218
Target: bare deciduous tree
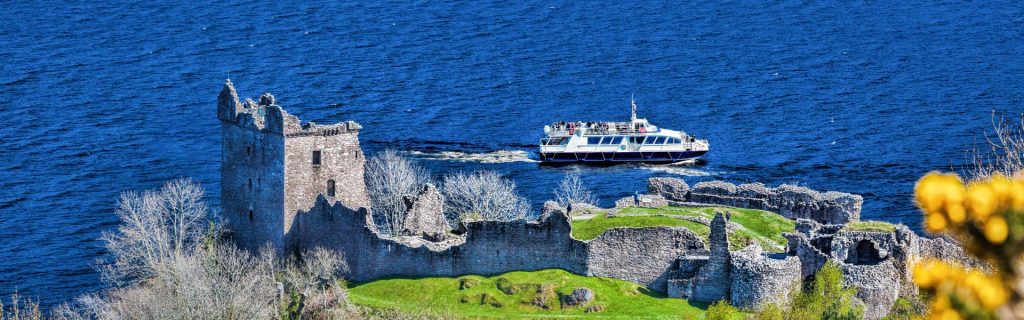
pixel 217 283
pixel 389 178
pixel 184 273
pixel 20 309
pixel 1003 151
pixel 483 195
pixel 572 190
pixel 156 226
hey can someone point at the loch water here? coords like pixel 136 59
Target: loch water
pixel 98 97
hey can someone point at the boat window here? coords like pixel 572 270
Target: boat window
pixel 606 140
pixel 661 140
pixel 674 141
pixel 617 140
pixel 554 141
pixel 593 140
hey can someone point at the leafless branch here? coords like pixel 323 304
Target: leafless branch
pixel 483 195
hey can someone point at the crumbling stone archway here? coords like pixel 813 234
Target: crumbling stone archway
pixel 864 253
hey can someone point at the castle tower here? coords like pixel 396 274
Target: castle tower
pixel 273 167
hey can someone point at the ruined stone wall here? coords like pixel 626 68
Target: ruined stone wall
pixel 790 201
pixel 878 286
pixel 641 255
pixel 341 161
pixel 759 279
pixel 712 282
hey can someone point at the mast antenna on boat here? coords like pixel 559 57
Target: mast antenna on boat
pixel 632 116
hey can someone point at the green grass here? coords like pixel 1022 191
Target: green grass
pixel 592 228
pixel 759 226
pixel 877 226
pixel 484 299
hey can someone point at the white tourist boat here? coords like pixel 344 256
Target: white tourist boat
pixel 633 141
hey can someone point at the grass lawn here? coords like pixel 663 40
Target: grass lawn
pixel 520 294
pixel 759 226
pixel 868 225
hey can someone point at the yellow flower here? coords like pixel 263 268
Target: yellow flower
pixel 956 213
pixel 990 293
pixel 981 200
pixel 946 314
pixel 1001 186
pixel 936 222
pixel 929 191
pixel 1017 195
pixel 996 230
pixel 923 275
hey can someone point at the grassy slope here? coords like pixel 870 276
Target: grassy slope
pixel 763 227
pixel 441 295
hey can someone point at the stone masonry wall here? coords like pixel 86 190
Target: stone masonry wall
pixel 252 172
pixel 641 255
pixel 759 279
pixel 790 201
pixel 341 161
pixel 712 282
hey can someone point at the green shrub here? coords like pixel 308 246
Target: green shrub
pixel 721 310
pixel 906 308
pixel 827 298
pixel 771 312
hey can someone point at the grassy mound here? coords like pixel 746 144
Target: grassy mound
pixel 757 226
pixel 876 226
pixel 520 295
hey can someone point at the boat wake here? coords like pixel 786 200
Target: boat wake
pixel 679 169
pixel 500 156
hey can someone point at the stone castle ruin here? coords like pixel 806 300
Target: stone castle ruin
pixel 296 185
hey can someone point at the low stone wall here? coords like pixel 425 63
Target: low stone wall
pixel 790 201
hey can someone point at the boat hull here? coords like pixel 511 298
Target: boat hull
pixel 615 157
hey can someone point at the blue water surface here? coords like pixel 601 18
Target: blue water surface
pixel 98 97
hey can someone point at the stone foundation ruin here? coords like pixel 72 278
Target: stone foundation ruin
pixel 296 186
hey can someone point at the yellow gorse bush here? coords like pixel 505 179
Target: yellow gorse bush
pixel 988 217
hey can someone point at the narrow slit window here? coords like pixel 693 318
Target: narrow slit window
pixel 316 157
pixel 330 188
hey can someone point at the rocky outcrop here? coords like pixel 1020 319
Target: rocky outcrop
pixel 578 297
pixel 790 201
pixel 670 188
pixel 425 216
